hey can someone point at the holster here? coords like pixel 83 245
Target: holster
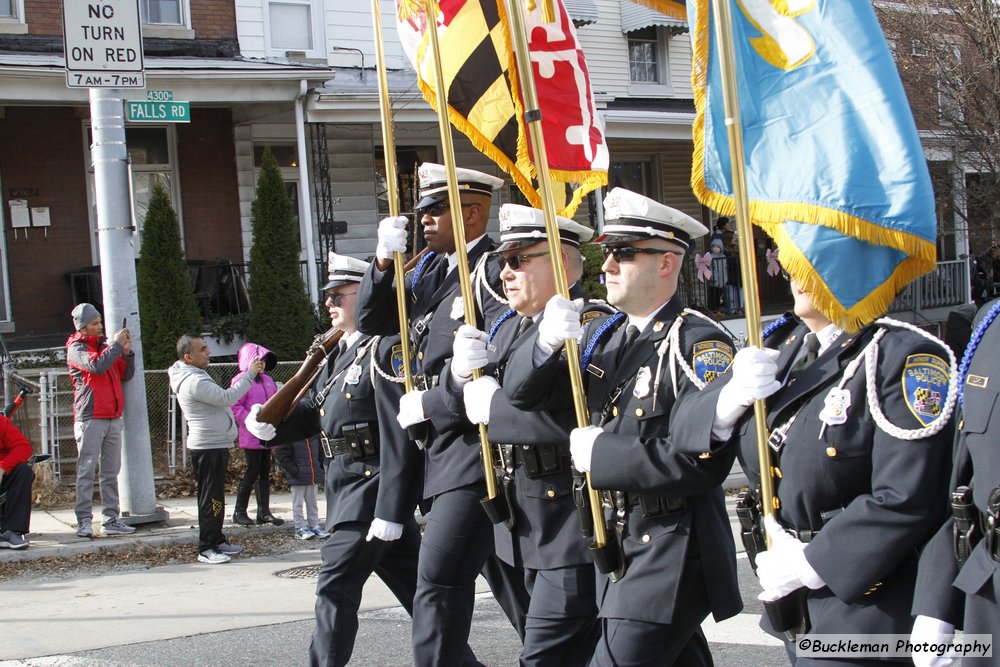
pixel 749 514
pixel 538 460
pixel 362 441
pixel 617 529
pixel 965 533
pixel 581 498
pixel 790 614
pixel 500 510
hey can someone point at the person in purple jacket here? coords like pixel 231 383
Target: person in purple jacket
pixel 257 477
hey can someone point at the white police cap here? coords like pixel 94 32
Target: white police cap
pixel 343 270
pixel 434 183
pixel 629 216
pixel 523 226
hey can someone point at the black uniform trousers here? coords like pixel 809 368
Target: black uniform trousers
pixel 634 643
pixel 348 561
pixel 457 546
pixel 561 626
pixel 15 513
pixel 210 472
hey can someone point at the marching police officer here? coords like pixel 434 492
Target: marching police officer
pixel 535 477
pixel 959 584
pixel 458 537
pixel 859 439
pixel 650 444
pixel 371 492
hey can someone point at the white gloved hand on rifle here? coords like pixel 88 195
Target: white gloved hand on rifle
pixel 783 568
pixel 754 376
pixel 260 430
pixel 411 409
pixel 391 237
pixel 560 322
pixel 478 398
pixel 387 531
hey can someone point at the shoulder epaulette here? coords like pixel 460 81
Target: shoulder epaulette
pixel 419 270
pixel 498 322
pixel 608 324
pixel 775 325
pixel 970 349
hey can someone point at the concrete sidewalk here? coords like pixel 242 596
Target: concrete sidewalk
pixel 53 532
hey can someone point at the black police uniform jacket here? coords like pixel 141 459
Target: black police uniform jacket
pixel 657 443
pixel 943 586
pixel 435 312
pixel 867 500
pixel 546 531
pixel 348 393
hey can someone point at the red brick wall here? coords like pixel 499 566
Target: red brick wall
pixel 44 17
pixel 209 191
pixel 210 19
pixel 42 147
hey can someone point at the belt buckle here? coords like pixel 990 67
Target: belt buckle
pixel 324 442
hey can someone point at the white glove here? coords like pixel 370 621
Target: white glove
pixel 387 531
pixel 581 445
pixel 391 237
pixel 929 630
pixel 560 323
pixel 754 376
pixel 478 396
pixel 783 568
pixel 411 409
pixel 261 430
pixel 468 353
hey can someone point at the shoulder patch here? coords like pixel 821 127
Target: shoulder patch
pixel 396 360
pixel 925 386
pixel 711 358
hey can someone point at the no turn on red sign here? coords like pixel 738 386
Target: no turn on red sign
pixel 102 40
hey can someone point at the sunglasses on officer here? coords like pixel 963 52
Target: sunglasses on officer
pixel 515 261
pixel 337 297
pixel 627 253
pixel 439 209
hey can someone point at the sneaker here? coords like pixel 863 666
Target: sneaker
pixel 116 527
pixel 229 549
pixel 213 556
pixel 85 530
pixel 319 533
pixel 11 540
pixel 304 534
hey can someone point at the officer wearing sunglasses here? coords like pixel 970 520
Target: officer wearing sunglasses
pixel 650 448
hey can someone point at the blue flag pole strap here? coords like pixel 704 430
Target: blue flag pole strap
pixel 970 350
pixel 498 322
pixel 608 324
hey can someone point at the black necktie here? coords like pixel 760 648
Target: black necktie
pixel 811 352
pixel 523 326
pixel 631 333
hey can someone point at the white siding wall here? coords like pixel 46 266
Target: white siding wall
pixel 250 28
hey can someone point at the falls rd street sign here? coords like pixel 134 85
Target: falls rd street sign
pixel 142 111
pixel 102 40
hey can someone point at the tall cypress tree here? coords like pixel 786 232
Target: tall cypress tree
pixel 166 302
pixel 280 311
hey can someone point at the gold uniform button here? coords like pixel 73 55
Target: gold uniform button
pixel 347 395
pixel 614 411
pixel 646 538
pixel 831 452
pixel 420 355
pixel 776 472
pixel 368 473
pixel 322 412
pixel 776 503
pixel 639 412
pixel 550 493
pixel 704 456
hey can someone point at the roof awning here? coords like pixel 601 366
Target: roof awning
pixel 582 12
pixel 636 17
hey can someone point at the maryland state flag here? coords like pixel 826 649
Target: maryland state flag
pixel 484 100
pixel 834 168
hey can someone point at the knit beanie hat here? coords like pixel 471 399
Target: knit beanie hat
pixel 83 315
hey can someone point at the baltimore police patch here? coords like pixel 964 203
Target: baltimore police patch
pixel 396 359
pixel 925 386
pixel 711 359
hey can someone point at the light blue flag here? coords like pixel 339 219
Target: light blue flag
pixel 829 141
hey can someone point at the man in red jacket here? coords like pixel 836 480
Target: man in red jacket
pixel 15 486
pixel 97 371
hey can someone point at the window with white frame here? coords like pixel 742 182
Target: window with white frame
pixel 12 17
pixel 151 151
pixel 295 26
pixel 643 56
pixel 7 9
pixel 162 12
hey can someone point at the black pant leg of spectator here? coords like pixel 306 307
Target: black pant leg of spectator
pixel 15 514
pixel 210 471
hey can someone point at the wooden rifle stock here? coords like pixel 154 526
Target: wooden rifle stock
pixel 279 407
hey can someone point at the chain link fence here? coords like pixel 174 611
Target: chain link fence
pixel 46 415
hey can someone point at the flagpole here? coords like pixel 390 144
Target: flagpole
pixel 748 260
pixel 533 118
pixel 458 229
pixel 392 191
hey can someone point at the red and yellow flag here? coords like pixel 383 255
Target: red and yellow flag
pixel 485 102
